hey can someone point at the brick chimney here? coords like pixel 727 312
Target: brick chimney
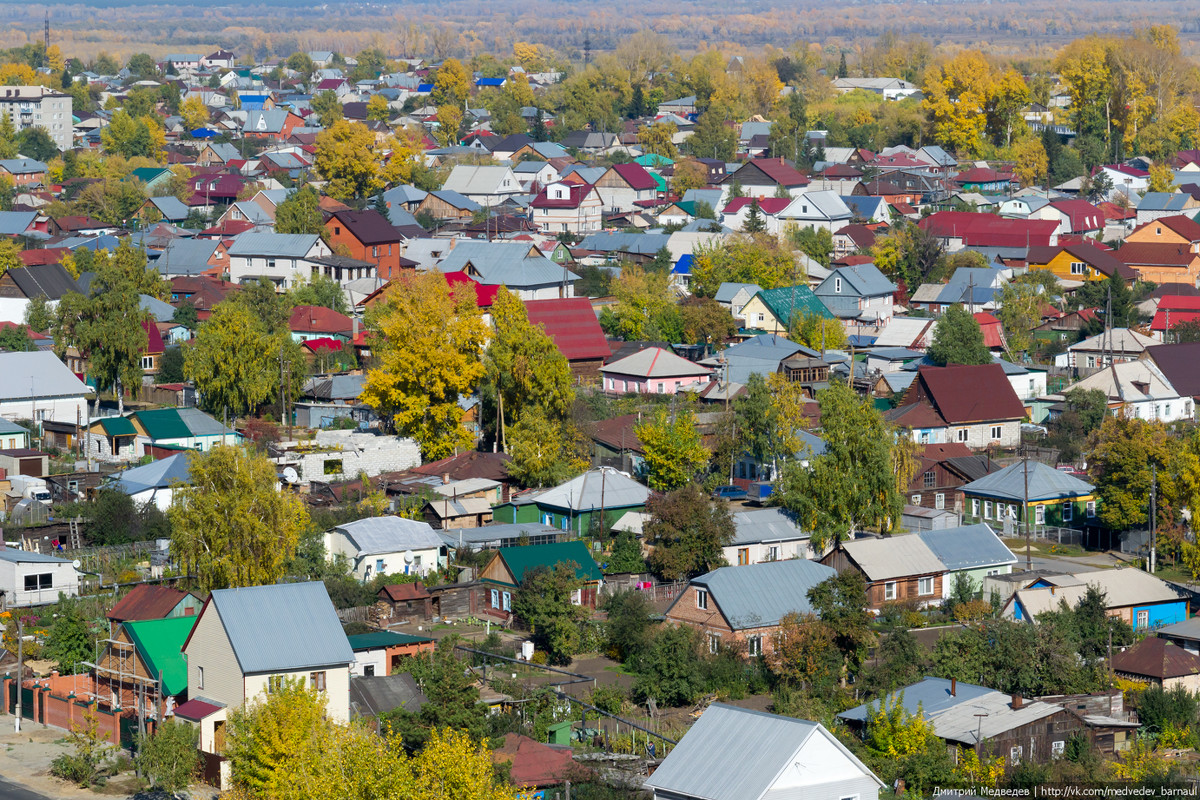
pixel 1018 702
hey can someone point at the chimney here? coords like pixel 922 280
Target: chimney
pixel 445 477
pixel 1052 588
pixel 954 687
pixel 1018 702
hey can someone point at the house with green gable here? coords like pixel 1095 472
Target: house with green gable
pixel 577 504
pixel 1048 497
pixel 144 657
pixel 503 573
pixel 772 310
pixel 180 429
pixel 151 177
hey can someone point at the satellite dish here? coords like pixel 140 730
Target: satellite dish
pixel 290 475
pixel 408 556
pixel 77 563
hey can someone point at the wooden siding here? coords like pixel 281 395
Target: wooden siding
pixel 209 648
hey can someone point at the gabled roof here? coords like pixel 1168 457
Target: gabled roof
pixel 382 535
pixel 48 281
pixel 318 319
pixel 1181 224
pixel 1177 362
pixel 159 643
pixel 654 362
pixel 284 245
pixel 967 547
pixel 1122 587
pixel 146 601
pixel 40 372
pixel 161 474
pixel 584 492
pixel 989 230
pixel 759 595
pixel 1045 483
pixel 635 175
pixel 1103 260
pixel 577 193
pixel 1157 658
pixel 783 301
pixel 1156 254
pixel 864 279
pixel 368 226
pixel 964 394
pixel 281 627
pixel 775 169
pixel 892 557
pixel 522 559
pixel 573 326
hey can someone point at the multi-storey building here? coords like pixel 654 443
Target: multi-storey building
pixel 39 107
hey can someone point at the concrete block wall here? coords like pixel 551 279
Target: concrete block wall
pixel 359 452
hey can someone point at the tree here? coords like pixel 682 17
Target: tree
pixel 300 213
pixel 958 339
pixel 142 66
pixel 817 332
pixel 672 447
pixel 345 157
pixel 451 84
pixel 328 108
pixel 1030 161
pixel 841 603
pixel 754 220
pixel 36 143
pixel 1120 463
pixel 543 451
pixel 1020 312
pixel 626 554
pixel 658 138
pixel 194 113
pixel 233 360
pixel 670 668
pixel 302 63
pixel 170 758
pixel 628 628
pixel 449 120
pixel 757 422
pixel 266 737
pixel 322 291
pixel 453 699
pixel 705 321
pixel 645 307
pixel 427 358
pixel 16 339
pixel 10 257
pixel 743 259
pixel 816 243
pixel 232 526
pixel 804 654
pixel 39 316
pixel 903 745
pixel 689 174
pixel 378 109
pixel 900 661
pixel 543 602
pixel 687 531
pixel 956 100
pixel 1162 178
pixel 69 643
pixel 712 138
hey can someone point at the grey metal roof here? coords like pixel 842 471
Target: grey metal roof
pixel 1045 483
pixel 159 474
pixel 13 223
pixel 377 535
pixel 1161 201
pixel 736 754
pixel 967 547
pixel 655 362
pixel 595 488
pixel 186 256
pixel 284 626
pixel 766 525
pixel 284 245
pixel 505 263
pixel 932 695
pixel 758 595
pixel 379 694
pixel 8 426
pixel 1188 629
pixel 456 200
pixel 893 557
pixel 646 244
pixel 26 557
pixel 507 534
pixel 39 375
pixel 170 207
pixel 865 279
pixel 727 291
pixel 162 312
pixel 201 424
pixel 760 355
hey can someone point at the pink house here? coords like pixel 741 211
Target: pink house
pixel 653 371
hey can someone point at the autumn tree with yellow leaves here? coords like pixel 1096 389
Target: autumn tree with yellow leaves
pixel 428 344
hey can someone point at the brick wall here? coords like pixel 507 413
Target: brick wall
pixel 358 452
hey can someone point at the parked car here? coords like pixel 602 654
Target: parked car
pixel 730 493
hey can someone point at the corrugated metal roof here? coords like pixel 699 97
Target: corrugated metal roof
pixel 893 557
pixel 1045 483
pixel 284 245
pixel 737 754
pixel 27 557
pixel 158 642
pixel 967 547
pixel 286 626
pixel 372 641
pixel 1188 629
pixel 758 595
pixel 571 323
pixel 988 716
pixel 521 559
pixel 155 475
pixel 931 695
pixel 766 525
pixel 1122 587
pixel 654 362
pixel 40 373
pixel 595 488
pixel 376 535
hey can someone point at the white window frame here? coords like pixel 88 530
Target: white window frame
pixel 702 599
pixel 974 507
pixel 1142 618
pixel 1014 755
pixel 939 501
pixel 1039 515
pixel 962 435
pixel 889 590
pixel 1091 509
pixel 922 583
pixel 915 500
pixel 754 646
pixel 714 643
pixel 1068 511
pixel 987 509
pixel 199 677
pixel 1057 748
pixel 997 432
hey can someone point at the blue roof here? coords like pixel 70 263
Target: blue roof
pixel 424 88
pixel 155 475
pixel 683 266
pixel 13 223
pixel 759 595
pixel 490 82
pixel 967 547
pixel 931 695
pixel 1045 483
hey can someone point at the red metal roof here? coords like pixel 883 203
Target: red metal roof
pixel 1156 254
pixel 485 296
pixel 1184 226
pixel 1083 216
pixel 323 343
pixel 993 330
pixel 964 394
pixel 989 230
pixel 982 175
pixel 230 227
pixel 37 258
pixel 779 171
pixel 571 323
pixel 534 763
pixel 154 342
pixel 768 205
pixel 146 602
pixel 635 175
pixel 398 592
pixel 1176 318
pixel 318 319
pixel 196 710
pixel 577 194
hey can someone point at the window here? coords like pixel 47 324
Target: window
pixel 316 681
pixel 378 566
pixel 1039 516
pixel 1091 361
pixel 929 478
pixel 1158 231
pixel 889 590
pixel 837 284
pixel 199 677
pixel 939 501
pixel 369 671
pixel 274 683
pixel 974 508
pixel 1057 748
pixel 987 509
pixel 714 642
pixel 743 556
pixel 1143 619
pixel 333 466
pixel 1014 755
pixel 506 601
pixel 375 251
pixel 1077 268
pixel 662 387
pixel 147 362
pixel 754 646
pixel 924 586
pixel 963 434
pixel 702 599
pixel 548 519
pixel 495 598
pixel 773 553
pixel 1091 509
pixel 35 582
pixel 995 433
pixel 1068 511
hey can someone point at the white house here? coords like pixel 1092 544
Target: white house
pixel 1138 389
pixel 486 185
pixel 34 579
pixel 567 208
pixel 285 259
pixel 766 534
pixel 39 387
pixel 816 210
pixel 386 545
pixel 736 754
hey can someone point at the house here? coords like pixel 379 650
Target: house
pixel 383 652
pixel 941 473
pixel 148 602
pixel 593 143
pixel 13 436
pixel 317 322
pixel 858 295
pixel 567 208
pixel 897 569
pixel 735 296
pixel 386 545
pixel 816 211
pixel 142 662
pixel 1186 634
pixel 458 512
pixel 571 323
pixel 1137 389
pixel 1137 598
pixel 763 177
pixel 1178 229
pixel 772 311
pixel 405 601
pixel 183 257
pixel 890 88
pixel 39 387
pixel 246 641
pixel 534 765
pixel 508 566
pixel 958 229
pixel 49 282
pixel 1158 661
pixel 579 504
pixel 370 697
pixel 1173 310
pixel 974 552
pixel 288 259
pixel 1156 205
pixel 154 482
pixel 1056 498
pixel 626 187
pixel 1078 262
pixel 973 405
pixel 1160 262
pixel 274 124
pixel 733 753
pixel 447 205
pixel 1114 346
pixel 766 534
pixel 518 266
pixel 158 431
pixel 487 185
pixel 368 236
pixel 23 171
pixel 652 371
pixel 741 607
pixel 35 579
pixel 992 723
pixel 1177 363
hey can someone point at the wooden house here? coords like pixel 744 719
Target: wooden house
pixel 897 569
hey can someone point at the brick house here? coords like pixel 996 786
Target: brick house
pixel 368 236
pixel 897 569
pixel 741 607
pixel 974 405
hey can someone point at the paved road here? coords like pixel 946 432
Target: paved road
pixel 12 791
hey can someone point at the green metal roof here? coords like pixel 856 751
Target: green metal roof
pixel 371 641
pixel 163 423
pixel 159 642
pixel 781 301
pixel 148 174
pixel 653 160
pixel 118 426
pixel 522 559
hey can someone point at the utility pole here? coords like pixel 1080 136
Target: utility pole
pixel 1025 509
pixel 1153 516
pixel 20 667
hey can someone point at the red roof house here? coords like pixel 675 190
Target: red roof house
pixel 974 405
pixel 989 230
pixel 317 322
pixel 571 323
pixel 993 331
pixel 485 296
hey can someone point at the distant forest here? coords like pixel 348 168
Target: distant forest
pixel 1030 28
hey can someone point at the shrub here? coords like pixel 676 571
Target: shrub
pixel 87 765
pixel 169 759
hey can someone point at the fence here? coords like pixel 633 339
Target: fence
pixel 64 701
pixel 355 614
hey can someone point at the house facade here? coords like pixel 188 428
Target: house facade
pixel 567 208
pixel 35 579
pixel 386 545
pixel 897 569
